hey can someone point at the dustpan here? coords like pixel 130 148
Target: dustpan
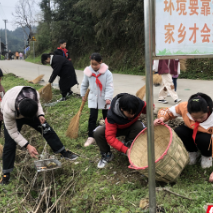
pixel 48 162
pixel 42 165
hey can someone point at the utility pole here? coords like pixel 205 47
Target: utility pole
pixel 24 41
pixel 148 27
pixel 0 47
pixel 5 21
pixel 24 45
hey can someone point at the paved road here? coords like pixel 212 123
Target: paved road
pixel 122 83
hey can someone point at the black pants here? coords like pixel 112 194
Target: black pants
pixel 130 133
pixel 93 119
pixel 175 83
pixel 64 92
pixel 9 150
pixel 202 140
pixel 65 85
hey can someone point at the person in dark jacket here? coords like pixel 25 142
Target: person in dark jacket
pixel 63 68
pixel 62 51
pixel 2 92
pixel 10 55
pixel 122 120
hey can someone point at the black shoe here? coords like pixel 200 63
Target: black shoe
pixel 68 155
pixel 178 100
pixel 5 180
pixel 61 99
pixel 128 143
pixel 69 93
pixel 163 101
pixel 156 85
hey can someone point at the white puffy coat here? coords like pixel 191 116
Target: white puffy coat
pixel 9 114
pixel 97 99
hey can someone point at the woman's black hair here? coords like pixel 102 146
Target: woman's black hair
pixel 96 56
pixel 28 108
pixel 1 73
pixel 44 57
pixel 200 102
pixel 62 41
pixel 129 103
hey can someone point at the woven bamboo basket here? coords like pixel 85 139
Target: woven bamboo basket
pixel 170 154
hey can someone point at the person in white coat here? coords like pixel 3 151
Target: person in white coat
pixel 21 106
pixel 100 81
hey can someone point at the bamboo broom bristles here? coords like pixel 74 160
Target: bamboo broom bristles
pixel 73 128
pixel 37 80
pixel 46 93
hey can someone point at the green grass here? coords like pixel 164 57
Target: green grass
pixel 37 59
pixel 113 189
pixel 179 52
pixel 135 71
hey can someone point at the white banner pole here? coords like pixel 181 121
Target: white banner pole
pixel 148 23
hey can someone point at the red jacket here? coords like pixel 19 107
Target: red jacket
pixel 114 122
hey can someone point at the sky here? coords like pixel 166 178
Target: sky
pixel 7 7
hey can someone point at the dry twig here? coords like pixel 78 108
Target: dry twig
pixel 167 190
pixel 44 194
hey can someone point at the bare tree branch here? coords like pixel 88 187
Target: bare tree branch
pixel 24 15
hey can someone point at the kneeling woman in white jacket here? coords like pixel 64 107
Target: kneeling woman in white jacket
pixel 100 80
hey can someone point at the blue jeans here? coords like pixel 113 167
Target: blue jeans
pixel 175 83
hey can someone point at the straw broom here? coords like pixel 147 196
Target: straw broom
pixel 1 151
pixel 141 92
pixel 157 79
pixel 183 65
pixel 36 80
pixel 46 93
pixel 72 131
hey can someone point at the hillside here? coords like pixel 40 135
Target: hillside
pixel 15 39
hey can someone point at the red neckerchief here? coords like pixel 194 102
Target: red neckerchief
pixel 196 125
pixel 97 81
pixel 64 50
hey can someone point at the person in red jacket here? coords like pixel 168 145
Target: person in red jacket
pixel 122 120
pixel 62 50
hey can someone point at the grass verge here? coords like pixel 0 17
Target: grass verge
pixel 90 190
pixel 37 59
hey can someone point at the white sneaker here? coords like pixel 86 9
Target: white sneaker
pixel 193 157
pixel 90 140
pixel 105 158
pixel 168 95
pixel 163 101
pixel 178 100
pixel 206 162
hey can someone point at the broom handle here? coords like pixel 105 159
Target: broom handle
pixel 83 102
